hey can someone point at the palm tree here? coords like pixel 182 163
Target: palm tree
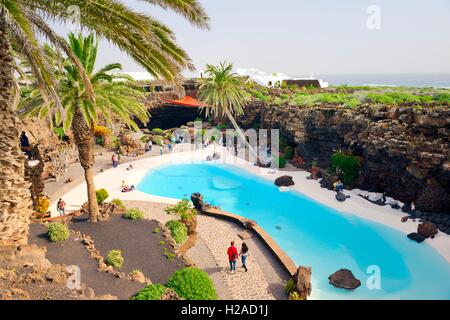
pixel 146 40
pixel 221 91
pixel 112 97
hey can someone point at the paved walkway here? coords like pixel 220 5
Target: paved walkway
pixel 265 278
pixel 56 189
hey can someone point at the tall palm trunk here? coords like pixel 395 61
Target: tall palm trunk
pixel 241 135
pixel 85 144
pixel 15 196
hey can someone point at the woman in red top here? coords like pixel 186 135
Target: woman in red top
pixel 232 256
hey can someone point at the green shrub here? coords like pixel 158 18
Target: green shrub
pixel 134 214
pixel 183 209
pixel 158 131
pixel 58 232
pixel 59 131
pixel 280 162
pixel 442 97
pixel 178 230
pixel 379 98
pixel 114 258
pixel 260 96
pixel 151 292
pixel 348 165
pixel 192 284
pixel 288 152
pixel 102 195
pixel 222 126
pixel 289 287
pixel 118 203
pixel 295 296
pixel 169 255
pixel 157 140
pixel 156 230
pixel 115 142
pixel 134 272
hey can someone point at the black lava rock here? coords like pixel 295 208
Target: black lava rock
pixel 284 181
pixel 416 237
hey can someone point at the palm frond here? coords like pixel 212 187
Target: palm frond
pixel 59 42
pixel 190 9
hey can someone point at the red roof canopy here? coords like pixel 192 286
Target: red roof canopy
pixel 186 102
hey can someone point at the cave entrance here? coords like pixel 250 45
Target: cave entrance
pixel 175 113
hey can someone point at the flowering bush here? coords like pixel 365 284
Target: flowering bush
pixel 101 131
pixel 42 205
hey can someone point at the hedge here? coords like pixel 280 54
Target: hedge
pixel 192 284
pixel 150 292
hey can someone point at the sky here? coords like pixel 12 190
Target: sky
pixel 303 37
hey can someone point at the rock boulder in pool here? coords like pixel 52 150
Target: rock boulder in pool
pixel 344 279
pixel 216 156
pixel 284 181
pixel 197 201
pixel 427 229
pixel 302 280
pixel 416 237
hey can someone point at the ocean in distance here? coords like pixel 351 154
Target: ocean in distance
pixel 437 80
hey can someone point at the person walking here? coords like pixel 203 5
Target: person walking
pixel 114 160
pixel 60 207
pixel 232 257
pixel 244 255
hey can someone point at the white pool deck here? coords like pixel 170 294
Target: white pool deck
pixel 112 179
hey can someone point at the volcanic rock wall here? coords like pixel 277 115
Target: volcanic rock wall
pixel 405 150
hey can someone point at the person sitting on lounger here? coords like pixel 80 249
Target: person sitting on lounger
pixel 126 188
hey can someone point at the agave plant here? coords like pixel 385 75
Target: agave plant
pixel 146 40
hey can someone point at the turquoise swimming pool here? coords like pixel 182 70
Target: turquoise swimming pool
pixel 313 234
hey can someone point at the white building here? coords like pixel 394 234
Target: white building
pixel 273 79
